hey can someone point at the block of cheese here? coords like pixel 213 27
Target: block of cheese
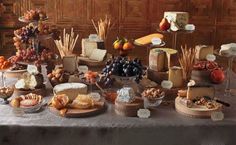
pixel 98 54
pixel 171 58
pixel 202 51
pixel 161 62
pixel 70 63
pixel 126 95
pixel 176 76
pixel 179 18
pixel 200 91
pixel 148 39
pixel 87 47
pixel 228 49
pixel 157 59
pixel 70 89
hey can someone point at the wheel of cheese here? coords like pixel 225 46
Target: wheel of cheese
pixel 201 76
pixel 156 76
pixel 128 109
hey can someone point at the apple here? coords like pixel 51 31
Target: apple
pixel 164 25
pixel 217 76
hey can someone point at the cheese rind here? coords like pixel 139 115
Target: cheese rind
pixel 157 60
pixel 202 51
pixel 70 89
pixel 176 76
pixel 198 91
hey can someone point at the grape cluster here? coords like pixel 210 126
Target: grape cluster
pixel 123 67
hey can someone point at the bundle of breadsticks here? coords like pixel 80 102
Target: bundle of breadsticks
pixel 103 27
pixel 187 60
pixel 66 43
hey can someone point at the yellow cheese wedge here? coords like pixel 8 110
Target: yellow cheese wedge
pixel 148 39
pixel 198 91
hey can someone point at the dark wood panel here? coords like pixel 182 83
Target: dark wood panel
pixel 215 19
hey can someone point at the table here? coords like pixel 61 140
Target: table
pixel 165 127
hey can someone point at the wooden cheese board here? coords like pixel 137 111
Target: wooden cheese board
pixel 196 111
pixel 156 76
pixel 129 109
pixel 99 108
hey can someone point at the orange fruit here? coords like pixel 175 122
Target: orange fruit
pixel 128 46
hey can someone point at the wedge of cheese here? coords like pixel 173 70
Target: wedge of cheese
pixel 161 59
pixel 98 54
pixel 87 47
pixel 70 89
pixel 171 58
pixel 176 76
pixel 202 51
pixel 200 91
pixel 148 39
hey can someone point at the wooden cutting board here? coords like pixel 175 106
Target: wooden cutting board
pixel 195 111
pixel 99 108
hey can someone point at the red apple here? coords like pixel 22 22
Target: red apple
pixel 164 25
pixel 217 76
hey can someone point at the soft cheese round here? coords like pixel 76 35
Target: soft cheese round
pixel 70 89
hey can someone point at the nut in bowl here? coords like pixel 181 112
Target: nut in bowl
pixel 5 93
pixel 152 97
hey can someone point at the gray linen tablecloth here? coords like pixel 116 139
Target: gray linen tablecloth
pixel 165 127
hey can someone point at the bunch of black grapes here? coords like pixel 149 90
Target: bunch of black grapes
pixel 123 67
pixel 28 32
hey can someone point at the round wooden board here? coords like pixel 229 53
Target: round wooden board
pixel 198 112
pixel 129 109
pixel 99 108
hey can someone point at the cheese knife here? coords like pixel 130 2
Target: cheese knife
pixel 218 101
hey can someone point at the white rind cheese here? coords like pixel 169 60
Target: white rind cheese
pixel 70 89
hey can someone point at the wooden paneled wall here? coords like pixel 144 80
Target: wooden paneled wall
pixel 214 19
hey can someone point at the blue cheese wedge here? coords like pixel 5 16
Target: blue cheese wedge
pixel 126 95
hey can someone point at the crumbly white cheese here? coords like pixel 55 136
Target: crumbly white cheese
pixel 126 95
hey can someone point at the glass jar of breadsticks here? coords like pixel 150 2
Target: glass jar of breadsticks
pixel 187 60
pixel 66 43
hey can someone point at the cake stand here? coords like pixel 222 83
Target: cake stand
pixel 175 35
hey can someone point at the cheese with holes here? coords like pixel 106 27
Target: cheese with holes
pixel 176 76
pixel 202 51
pixel 157 60
pixel 181 19
pixel 200 91
pixel 98 54
pixel 70 89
